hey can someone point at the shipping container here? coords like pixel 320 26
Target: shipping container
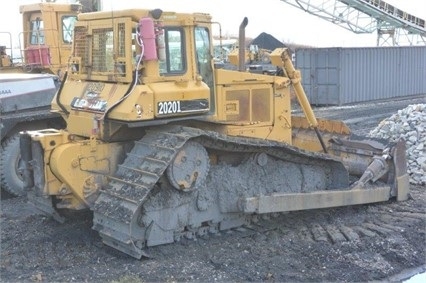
pixel 339 76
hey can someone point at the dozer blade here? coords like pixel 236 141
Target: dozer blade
pixel 361 192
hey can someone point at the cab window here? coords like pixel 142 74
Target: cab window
pixel 204 55
pixel 36 31
pixel 175 61
pixel 68 23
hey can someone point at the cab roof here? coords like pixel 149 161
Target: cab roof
pixel 59 7
pixel 136 14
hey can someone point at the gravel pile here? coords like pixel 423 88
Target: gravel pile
pixel 410 124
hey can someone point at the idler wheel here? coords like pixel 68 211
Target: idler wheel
pixel 189 168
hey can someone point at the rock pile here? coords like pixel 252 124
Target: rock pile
pixel 410 124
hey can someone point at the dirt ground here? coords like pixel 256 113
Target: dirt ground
pixel 374 242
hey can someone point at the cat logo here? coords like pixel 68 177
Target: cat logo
pixel 5 91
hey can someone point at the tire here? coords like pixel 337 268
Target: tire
pixel 11 179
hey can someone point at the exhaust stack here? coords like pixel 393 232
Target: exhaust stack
pixel 241 45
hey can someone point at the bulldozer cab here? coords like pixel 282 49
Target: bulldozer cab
pixel 46 39
pixel 158 45
pixel 136 66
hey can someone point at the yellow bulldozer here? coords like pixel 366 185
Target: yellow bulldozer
pixel 161 145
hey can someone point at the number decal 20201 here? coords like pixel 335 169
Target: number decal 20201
pixel 168 107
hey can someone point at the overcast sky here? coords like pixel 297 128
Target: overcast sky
pixel 283 21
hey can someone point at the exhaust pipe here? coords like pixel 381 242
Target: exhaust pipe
pixel 241 46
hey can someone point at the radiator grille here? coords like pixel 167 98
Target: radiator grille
pixel 100 53
pixel 80 44
pixel 121 40
pixel 102 50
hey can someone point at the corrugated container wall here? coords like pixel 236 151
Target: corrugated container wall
pixel 338 76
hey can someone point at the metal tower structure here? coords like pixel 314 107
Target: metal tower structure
pixel 393 26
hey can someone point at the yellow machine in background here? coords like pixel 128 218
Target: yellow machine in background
pixel 47 35
pixel 161 145
pixel 46 39
pixel 5 60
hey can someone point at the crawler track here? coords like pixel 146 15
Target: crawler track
pixel 129 220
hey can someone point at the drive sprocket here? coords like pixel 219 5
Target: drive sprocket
pixel 189 168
